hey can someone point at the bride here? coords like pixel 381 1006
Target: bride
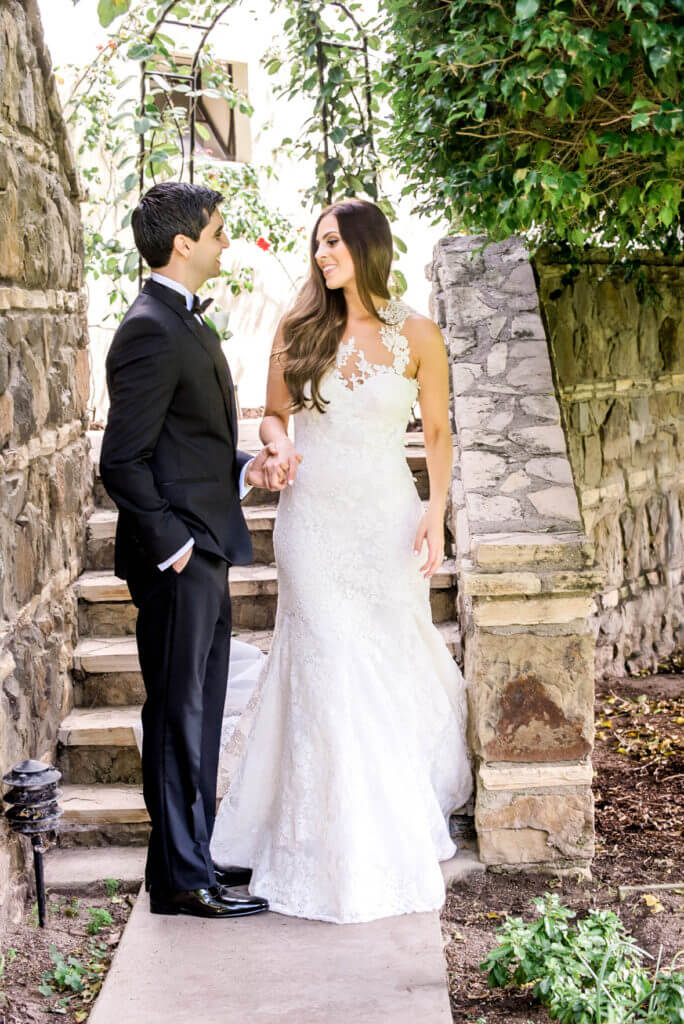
pixel 351 753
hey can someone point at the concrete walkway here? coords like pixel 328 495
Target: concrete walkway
pixel 272 968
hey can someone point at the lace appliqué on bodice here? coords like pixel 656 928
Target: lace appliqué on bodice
pixel 393 314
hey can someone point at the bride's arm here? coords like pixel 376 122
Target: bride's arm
pixel 273 429
pixel 427 346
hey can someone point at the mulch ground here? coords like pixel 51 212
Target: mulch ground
pixel 639 801
pixel 26 952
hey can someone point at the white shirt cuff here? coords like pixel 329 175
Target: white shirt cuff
pixel 245 488
pixel 174 558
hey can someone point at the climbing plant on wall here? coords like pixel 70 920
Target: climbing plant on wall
pixel 562 120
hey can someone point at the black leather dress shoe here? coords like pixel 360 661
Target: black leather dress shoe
pixel 233 875
pixel 214 902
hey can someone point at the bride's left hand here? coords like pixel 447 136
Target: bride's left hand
pixel 430 529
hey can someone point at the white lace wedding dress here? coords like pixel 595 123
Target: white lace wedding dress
pixel 351 753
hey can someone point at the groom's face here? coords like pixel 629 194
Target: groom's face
pixel 205 253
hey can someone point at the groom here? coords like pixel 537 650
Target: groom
pixel 170 463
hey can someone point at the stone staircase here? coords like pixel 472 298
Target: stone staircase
pixel 97 754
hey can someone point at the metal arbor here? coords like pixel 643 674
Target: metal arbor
pixel 193 79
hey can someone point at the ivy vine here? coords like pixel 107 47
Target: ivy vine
pixel 560 120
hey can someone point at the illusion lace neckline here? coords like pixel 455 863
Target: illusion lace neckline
pixel 362 369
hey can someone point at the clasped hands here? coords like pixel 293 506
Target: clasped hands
pixel 275 467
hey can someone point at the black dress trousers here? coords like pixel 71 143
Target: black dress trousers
pixel 183 634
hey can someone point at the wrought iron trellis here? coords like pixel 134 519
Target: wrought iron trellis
pixel 367 93
pixel 193 78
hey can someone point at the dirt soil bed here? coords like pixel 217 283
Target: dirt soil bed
pixel 26 951
pixel 639 798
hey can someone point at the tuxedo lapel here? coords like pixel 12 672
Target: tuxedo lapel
pixel 209 341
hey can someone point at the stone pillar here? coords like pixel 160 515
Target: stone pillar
pixel 45 474
pixel 525 568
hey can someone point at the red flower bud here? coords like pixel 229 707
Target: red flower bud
pixel 263 244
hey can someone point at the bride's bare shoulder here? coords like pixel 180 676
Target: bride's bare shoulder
pixel 422 333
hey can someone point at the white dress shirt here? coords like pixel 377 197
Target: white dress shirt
pixel 245 488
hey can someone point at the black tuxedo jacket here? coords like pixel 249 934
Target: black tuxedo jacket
pixel 169 460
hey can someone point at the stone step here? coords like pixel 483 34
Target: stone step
pixel 83 872
pixel 101 531
pixel 104 655
pixel 99 727
pixel 101 585
pixel 105 608
pixel 414 447
pixel 96 744
pixel 106 670
pixel 245 581
pixel 100 805
pixel 96 815
pixel 115 815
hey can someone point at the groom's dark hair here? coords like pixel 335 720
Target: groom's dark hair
pixel 169 209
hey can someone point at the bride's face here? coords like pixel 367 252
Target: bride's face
pixel 332 255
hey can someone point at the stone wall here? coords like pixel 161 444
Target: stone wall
pixel 525 567
pixel 619 368
pixel 45 475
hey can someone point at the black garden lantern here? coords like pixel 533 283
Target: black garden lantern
pixel 34 811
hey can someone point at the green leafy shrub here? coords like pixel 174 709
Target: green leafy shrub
pixel 78 981
pixel 556 119
pixel 99 918
pixel 589 972
pixel 111 886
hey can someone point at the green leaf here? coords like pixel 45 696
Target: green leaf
pixel 574 97
pixel 399 281
pixel 659 57
pixel 130 182
pixel 640 121
pixel 525 9
pixel 640 103
pixel 554 81
pixel 140 51
pixel 108 10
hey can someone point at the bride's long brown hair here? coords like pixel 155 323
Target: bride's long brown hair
pixel 313 328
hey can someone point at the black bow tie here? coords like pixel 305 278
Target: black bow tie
pixel 200 307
